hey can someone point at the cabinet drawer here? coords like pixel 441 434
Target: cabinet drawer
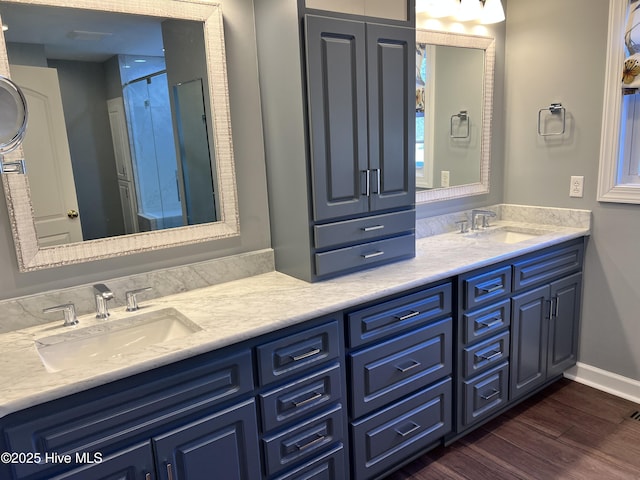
pixel 364 255
pixel 485 322
pixel 395 368
pixel 362 230
pixel 548 265
pixel 303 440
pixel 398 315
pixel 93 421
pixel 382 440
pixel 296 353
pixel 483 355
pixel 480 289
pixel 328 466
pixel 485 394
pixel 289 402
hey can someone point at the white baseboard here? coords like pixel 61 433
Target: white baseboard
pixel 606 381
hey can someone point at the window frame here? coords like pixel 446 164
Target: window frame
pixel 610 186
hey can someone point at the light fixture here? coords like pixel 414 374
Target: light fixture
pixel 492 12
pixel 483 11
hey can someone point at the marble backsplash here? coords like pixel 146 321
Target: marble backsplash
pixel 23 312
pixel 426 227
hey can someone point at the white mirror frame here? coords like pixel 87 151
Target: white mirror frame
pixel 487 44
pixel 609 190
pixel 16 187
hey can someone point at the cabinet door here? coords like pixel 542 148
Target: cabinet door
pixel 391 107
pixel 337 90
pixel 529 340
pixel 223 445
pixel 563 325
pixel 134 463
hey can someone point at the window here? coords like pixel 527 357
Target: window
pixel 619 177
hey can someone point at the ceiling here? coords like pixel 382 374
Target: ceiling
pixel 85 35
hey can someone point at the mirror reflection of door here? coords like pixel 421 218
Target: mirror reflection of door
pixel 53 191
pixel 195 158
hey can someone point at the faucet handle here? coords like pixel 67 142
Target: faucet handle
pixel 69 311
pixel 132 300
pixel 464 225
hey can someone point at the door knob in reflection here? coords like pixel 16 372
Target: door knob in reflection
pixel 72 214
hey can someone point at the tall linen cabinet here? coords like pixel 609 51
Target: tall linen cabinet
pixel 337 93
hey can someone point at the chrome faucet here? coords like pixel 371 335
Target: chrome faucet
pixel 103 294
pixel 485 214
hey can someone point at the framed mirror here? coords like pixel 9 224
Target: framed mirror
pixel 454 104
pixel 140 154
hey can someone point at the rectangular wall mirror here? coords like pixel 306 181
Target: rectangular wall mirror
pixel 129 146
pixel 454 104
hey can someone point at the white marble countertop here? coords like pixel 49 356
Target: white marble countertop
pixel 231 312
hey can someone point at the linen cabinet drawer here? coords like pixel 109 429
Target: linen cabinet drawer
pixel 403 429
pixel 328 466
pixel 362 230
pixel 303 440
pixel 289 402
pixel 483 355
pixel 365 255
pixel 298 352
pixel 482 323
pixel 485 394
pixel 397 315
pixel 548 265
pixel 485 287
pixel 395 368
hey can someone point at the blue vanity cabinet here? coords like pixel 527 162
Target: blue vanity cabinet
pixel 122 420
pixel 400 366
pixel 302 402
pixel 518 328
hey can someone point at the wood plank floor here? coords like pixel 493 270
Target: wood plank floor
pixel 569 431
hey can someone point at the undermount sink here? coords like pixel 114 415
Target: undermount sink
pixel 509 234
pixel 112 339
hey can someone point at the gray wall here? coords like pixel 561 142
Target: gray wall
pixel 250 169
pixel 556 52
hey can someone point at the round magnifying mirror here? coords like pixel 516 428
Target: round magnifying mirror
pixel 13 115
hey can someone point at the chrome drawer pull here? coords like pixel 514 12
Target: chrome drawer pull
pixel 319 439
pixel 407 316
pixel 302 356
pixel 314 397
pixel 489 356
pixel 557 307
pixel 372 228
pixel 490 323
pixel 412 428
pixel 414 364
pixel 169 472
pixel 490 395
pixel 493 289
pixel 367 256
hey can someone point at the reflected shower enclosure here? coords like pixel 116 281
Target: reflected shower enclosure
pixel 153 153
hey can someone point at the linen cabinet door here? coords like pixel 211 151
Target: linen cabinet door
pixel 564 324
pixel 392 131
pixel 337 90
pixel 529 334
pixel 223 445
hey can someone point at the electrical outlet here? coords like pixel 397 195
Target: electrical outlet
pixel 444 178
pixel 577 186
